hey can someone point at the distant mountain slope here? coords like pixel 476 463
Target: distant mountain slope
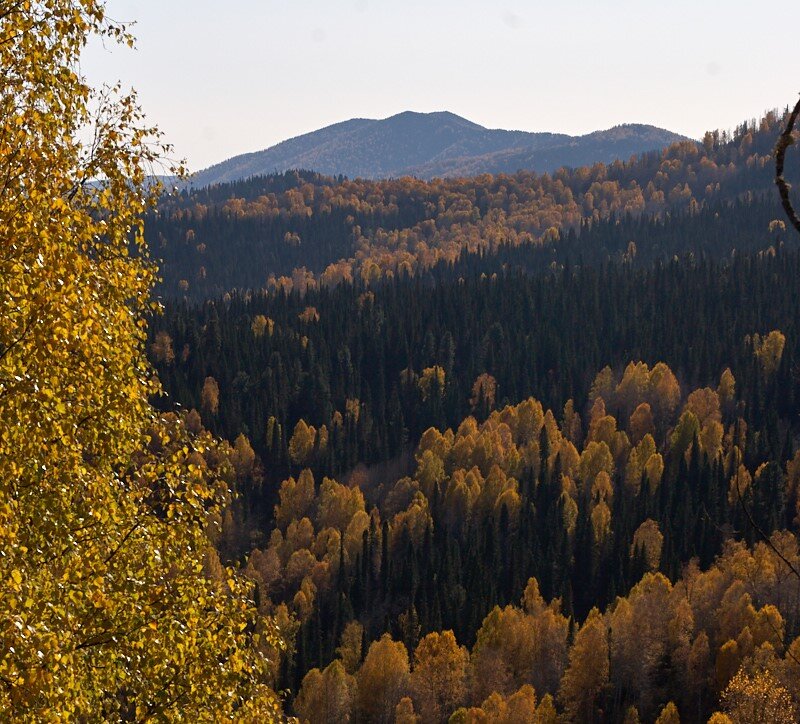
pixel 434 144
pixel 620 142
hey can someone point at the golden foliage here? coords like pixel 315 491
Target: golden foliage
pixel 382 679
pixel 328 696
pixel 752 699
pixel 649 539
pixel 349 650
pixel 587 674
pixel 309 315
pixel 432 380
pixel 262 324
pixel 669 715
pixel 769 351
pixel 404 712
pixel 727 388
pixel 162 348
pixel 301 444
pixel 641 422
pixel 484 392
pixel 110 605
pixel 438 681
pixel 209 396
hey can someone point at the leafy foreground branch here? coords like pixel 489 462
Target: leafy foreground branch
pixel 112 602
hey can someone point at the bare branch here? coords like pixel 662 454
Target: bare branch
pixel 760 531
pixel 785 140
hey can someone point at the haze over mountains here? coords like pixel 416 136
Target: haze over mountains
pixel 428 145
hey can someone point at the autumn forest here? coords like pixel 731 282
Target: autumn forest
pixel 511 448
pixel 503 448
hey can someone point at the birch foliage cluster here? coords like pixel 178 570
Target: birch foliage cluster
pixel 113 605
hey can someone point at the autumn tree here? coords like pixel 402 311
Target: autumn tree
pixel 108 608
pixel 432 382
pixel 631 716
pixel 727 390
pixel 769 350
pixel 243 458
pixel 548 653
pixel 301 444
pixel 309 315
pixel 546 711
pixel 484 392
pixel 500 657
pixel 404 712
pixel 438 681
pixel 260 325
pixel 382 680
pixel 648 541
pixel 209 397
pixel 669 715
pixel 296 499
pixel 641 422
pixel 587 674
pixel 758 697
pixel 349 650
pixel 162 348
pixel 328 696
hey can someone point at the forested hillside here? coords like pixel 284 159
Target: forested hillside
pixel 300 229
pixel 507 448
pixel 541 458
pixel 292 357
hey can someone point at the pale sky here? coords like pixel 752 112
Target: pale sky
pixel 223 78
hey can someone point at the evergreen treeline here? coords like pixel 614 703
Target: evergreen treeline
pixel 542 335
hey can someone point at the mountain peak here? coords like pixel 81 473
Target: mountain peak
pixel 438 143
pixel 443 115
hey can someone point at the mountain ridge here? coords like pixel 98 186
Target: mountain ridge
pixel 434 144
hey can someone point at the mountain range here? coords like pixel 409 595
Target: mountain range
pixel 429 145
